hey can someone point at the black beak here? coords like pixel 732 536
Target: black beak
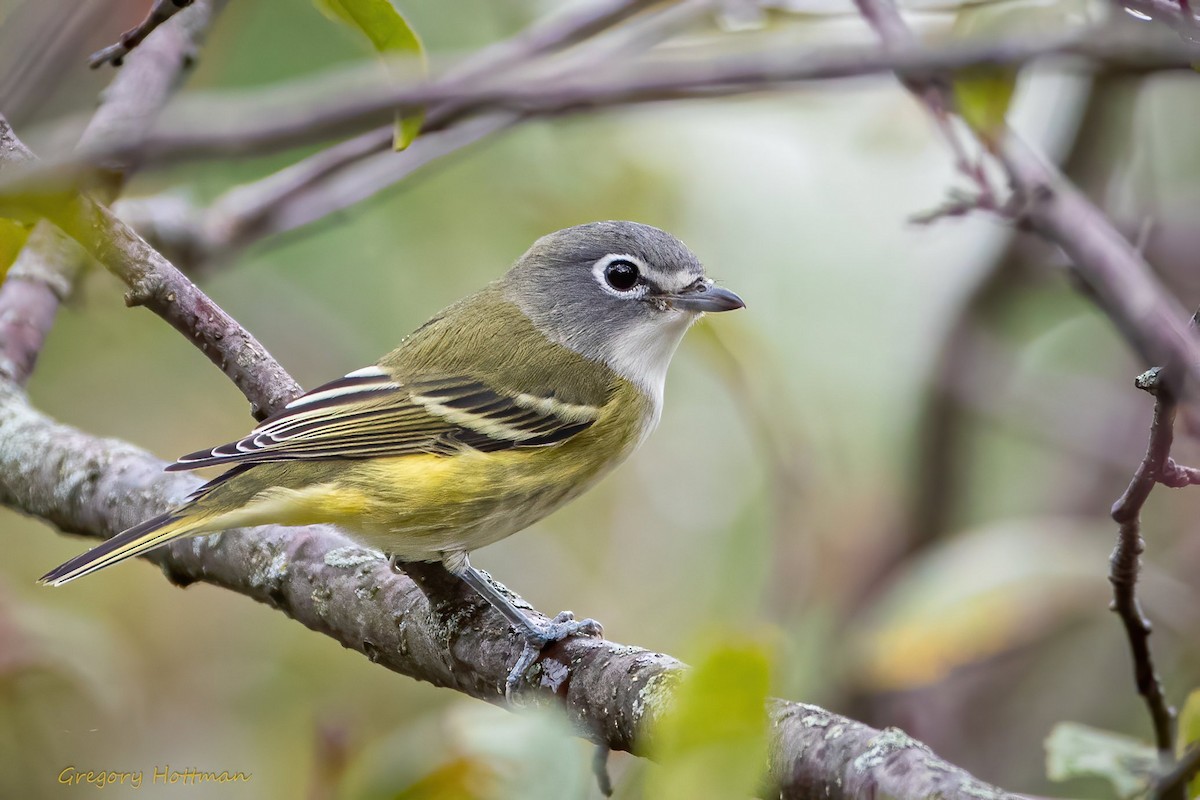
pixel 705 296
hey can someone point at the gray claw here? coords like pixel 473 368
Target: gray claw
pixel 563 625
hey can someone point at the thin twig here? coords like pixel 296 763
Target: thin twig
pixel 160 12
pixel 1125 564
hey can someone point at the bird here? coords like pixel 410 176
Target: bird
pixel 498 410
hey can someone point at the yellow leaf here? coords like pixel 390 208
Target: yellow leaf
pixel 390 34
pixel 462 778
pixel 939 614
pixel 712 742
pixel 1189 732
pixel 983 94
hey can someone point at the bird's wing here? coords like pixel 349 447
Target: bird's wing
pixel 370 414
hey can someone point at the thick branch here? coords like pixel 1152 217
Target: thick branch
pixel 1174 783
pixel 611 692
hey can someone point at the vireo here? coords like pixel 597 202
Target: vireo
pixel 494 413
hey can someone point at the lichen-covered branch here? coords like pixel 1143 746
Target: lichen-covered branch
pixel 611 692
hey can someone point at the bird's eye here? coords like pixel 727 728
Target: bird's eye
pixel 621 275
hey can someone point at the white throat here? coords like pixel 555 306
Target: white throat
pixel 642 353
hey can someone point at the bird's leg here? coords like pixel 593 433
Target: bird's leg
pixel 537 635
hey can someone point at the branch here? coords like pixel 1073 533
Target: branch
pixel 160 12
pixel 1125 563
pixel 1150 319
pixel 1121 282
pixel 36 284
pixel 43 274
pixel 346 107
pixel 653 80
pixel 156 284
pixel 335 178
pixel 292 198
pixel 1156 467
pixel 611 692
pixel 1174 783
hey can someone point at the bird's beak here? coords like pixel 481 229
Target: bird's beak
pixel 705 296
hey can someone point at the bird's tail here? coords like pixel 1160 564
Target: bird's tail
pixel 136 540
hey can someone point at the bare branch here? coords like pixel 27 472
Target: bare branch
pixel 333 179
pixel 611 692
pixel 1122 283
pixel 36 284
pixel 156 284
pixel 160 12
pixel 1149 318
pixel 44 272
pixel 1125 564
pixel 346 107
pixel 651 81
pixel 269 207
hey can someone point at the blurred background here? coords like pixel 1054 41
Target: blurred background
pixel 912 435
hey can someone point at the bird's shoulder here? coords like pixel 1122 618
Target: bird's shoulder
pixel 488 338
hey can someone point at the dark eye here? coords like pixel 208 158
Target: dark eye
pixel 621 275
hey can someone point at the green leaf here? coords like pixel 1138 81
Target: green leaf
pixel 390 34
pixel 1189 732
pixel 1077 751
pixel 12 238
pixel 712 741
pixel 983 94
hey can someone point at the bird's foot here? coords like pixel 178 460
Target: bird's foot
pixel 539 637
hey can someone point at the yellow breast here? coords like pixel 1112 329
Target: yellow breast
pixel 418 507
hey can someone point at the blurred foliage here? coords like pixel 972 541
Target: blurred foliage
pixel 12 239
pixel 1074 751
pixel 1189 733
pixel 712 742
pixel 777 490
pixel 390 35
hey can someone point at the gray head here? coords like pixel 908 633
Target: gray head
pixel 621 293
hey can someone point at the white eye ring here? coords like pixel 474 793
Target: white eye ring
pixel 600 272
